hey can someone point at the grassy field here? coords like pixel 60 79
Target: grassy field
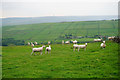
pixel 62 62
pixel 52 31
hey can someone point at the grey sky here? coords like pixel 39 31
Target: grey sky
pixel 38 8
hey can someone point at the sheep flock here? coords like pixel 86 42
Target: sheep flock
pixel 75 45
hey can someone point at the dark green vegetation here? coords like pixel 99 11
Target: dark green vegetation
pixel 11 41
pixel 62 62
pixel 56 32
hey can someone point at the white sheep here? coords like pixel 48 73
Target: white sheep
pixel 75 46
pixel 48 42
pixel 62 41
pixel 103 45
pixel 40 49
pixel 82 46
pixel 35 43
pixel 28 43
pixel 74 42
pixel 32 45
pixel 97 40
pixel 67 42
pixel 111 38
pixel 48 49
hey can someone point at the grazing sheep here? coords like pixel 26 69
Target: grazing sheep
pixel 32 45
pixel 40 49
pixel 48 49
pixel 48 42
pixel 97 40
pixel 28 43
pixel 103 45
pixel 67 42
pixel 82 46
pixel 35 43
pixel 62 41
pixel 111 38
pixel 74 42
pixel 75 46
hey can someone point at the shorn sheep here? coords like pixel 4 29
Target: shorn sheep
pixel 103 45
pixel 97 40
pixel 48 49
pixel 82 46
pixel 67 42
pixel 40 49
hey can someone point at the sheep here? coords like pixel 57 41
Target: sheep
pixel 35 43
pixel 28 43
pixel 103 45
pixel 97 40
pixel 75 46
pixel 62 41
pixel 67 42
pixel 40 49
pixel 74 42
pixel 82 46
pixel 48 49
pixel 32 45
pixel 48 42
pixel 111 38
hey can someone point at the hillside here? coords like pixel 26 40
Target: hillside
pixel 51 19
pixel 59 31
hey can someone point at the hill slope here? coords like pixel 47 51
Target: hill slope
pixel 57 31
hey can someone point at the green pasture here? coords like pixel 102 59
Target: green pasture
pixel 62 62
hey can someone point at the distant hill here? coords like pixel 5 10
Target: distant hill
pixel 49 19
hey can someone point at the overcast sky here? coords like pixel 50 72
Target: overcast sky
pixel 39 8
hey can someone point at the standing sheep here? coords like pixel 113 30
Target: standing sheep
pixel 48 49
pixel 40 49
pixel 74 42
pixel 62 41
pixel 48 42
pixel 28 43
pixel 35 43
pixel 82 46
pixel 75 46
pixel 103 45
pixel 32 45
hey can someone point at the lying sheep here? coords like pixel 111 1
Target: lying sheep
pixel 40 49
pixel 35 43
pixel 97 40
pixel 103 45
pixel 48 49
pixel 82 46
pixel 67 42
pixel 74 42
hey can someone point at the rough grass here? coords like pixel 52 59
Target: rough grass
pixel 62 62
